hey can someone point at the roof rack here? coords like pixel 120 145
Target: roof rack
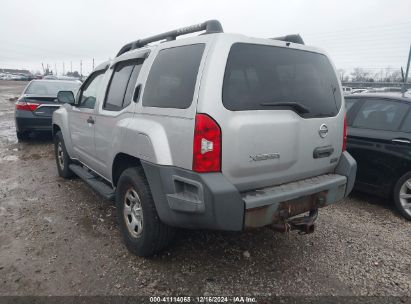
pixel 296 38
pixel 210 26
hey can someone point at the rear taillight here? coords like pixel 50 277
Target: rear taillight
pixel 344 145
pixel 26 106
pixel 206 145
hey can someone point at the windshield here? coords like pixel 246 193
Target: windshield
pixel 52 88
pixel 259 77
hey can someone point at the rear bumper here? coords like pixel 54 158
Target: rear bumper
pixel 27 121
pixel 276 204
pixel 188 199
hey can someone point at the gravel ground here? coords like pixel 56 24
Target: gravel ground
pixel 58 237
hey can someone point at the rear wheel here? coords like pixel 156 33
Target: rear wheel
pixel 143 232
pixel 62 158
pixel 402 195
pixel 22 136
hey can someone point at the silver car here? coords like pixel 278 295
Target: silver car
pixel 216 131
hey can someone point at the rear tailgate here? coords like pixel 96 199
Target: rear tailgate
pixel 274 147
pixel 282 119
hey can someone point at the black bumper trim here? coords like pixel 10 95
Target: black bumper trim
pixel 223 206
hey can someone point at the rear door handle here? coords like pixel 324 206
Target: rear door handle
pixel 321 152
pixel 90 120
pixel 401 140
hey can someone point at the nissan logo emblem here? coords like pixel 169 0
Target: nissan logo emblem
pixel 323 131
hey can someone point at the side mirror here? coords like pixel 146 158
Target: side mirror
pixel 65 97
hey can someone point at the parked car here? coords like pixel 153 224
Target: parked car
pixel 384 90
pixel 6 76
pixel 37 103
pixel 379 138
pixel 357 91
pixel 54 77
pixel 392 89
pixel 22 77
pixel 346 90
pixel 217 131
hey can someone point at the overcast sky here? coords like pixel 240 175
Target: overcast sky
pixel 371 34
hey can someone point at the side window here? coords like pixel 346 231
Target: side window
pixel 90 90
pixel 172 78
pixel 406 125
pixel 380 114
pixel 131 84
pixel 120 89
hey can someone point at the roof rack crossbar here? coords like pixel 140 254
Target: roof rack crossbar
pixel 210 26
pixel 295 38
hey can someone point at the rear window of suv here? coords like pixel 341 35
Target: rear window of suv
pixel 172 78
pixel 259 77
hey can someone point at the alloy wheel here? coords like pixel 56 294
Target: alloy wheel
pixel 405 196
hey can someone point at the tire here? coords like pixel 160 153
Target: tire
pixel 62 158
pixel 142 230
pixel 22 136
pixel 402 195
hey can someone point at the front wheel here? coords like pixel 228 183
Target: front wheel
pixel 143 232
pixel 62 158
pixel 402 195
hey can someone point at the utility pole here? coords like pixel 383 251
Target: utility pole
pixel 81 69
pixel 55 69
pixel 93 64
pixel 405 78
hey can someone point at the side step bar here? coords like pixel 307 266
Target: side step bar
pixel 94 182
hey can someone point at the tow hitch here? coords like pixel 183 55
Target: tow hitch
pixel 305 224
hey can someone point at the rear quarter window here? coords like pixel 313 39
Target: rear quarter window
pixel 172 77
pixel 257 75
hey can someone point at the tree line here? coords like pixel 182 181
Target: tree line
pixel 370 75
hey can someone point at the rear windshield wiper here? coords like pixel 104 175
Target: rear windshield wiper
pixel 300 108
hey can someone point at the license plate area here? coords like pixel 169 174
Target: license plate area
pixel 280 212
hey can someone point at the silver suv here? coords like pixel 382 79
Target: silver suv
pixel 215 131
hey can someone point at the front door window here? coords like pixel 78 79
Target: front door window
pixel 89 91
